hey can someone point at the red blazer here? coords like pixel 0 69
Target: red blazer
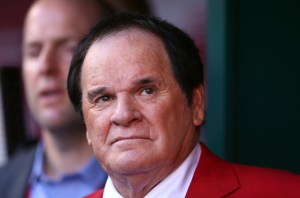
pixel 215 177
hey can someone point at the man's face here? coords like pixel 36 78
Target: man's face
pixel 52 31
pixel 136 115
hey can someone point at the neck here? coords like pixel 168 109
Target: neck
pixel 136 186
pixel 65 152
pixel 139 185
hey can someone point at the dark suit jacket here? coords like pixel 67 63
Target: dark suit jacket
pixel 14 175
pixel 215 178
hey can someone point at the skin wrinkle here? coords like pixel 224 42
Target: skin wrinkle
pixel 116 62
pixel 131 40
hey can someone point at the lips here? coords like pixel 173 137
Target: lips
pixel 51 95
pixel 119 139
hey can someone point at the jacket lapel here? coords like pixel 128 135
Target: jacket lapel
pixel 18 185
pixel 213 177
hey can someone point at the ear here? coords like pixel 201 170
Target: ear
pixel 198 105
pixel 88 138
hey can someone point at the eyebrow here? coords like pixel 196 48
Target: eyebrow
pixel 146 80
pixel 95 92
pixel 30 45
pixel 98 91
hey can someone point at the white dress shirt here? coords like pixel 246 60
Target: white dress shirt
pixel 174 185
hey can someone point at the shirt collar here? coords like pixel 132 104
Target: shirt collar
pixel 37 170
pixel 91 172
pixel 174 185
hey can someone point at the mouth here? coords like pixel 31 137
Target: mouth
pixel 129 139
pixel 51 95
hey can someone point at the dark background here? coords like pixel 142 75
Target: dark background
pixel 253 69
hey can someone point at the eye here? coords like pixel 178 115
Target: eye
pixel 103 101
pixel 148 91
pixel 70 47
pixel 104 98
pixel 32 52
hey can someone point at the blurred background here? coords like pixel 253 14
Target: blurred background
pixel 251 51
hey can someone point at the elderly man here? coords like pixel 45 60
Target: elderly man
pixel 137 83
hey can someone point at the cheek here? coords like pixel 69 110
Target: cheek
pixel 175 117
pixel 160 119
pixel 96 134
pixel 64 61
pixel 30 80
pixel 65 55
pixel 29 72
pixel 99 134
pixel 97 127
pixel 65 70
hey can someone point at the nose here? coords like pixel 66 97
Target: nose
pixel 126 112
pixel 48 63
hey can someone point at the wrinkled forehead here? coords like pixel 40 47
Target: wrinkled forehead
pixel 135 40
pixel 129 51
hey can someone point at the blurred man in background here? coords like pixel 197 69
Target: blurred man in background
pixel 62 164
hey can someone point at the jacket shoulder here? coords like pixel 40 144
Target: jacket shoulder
pixel 18 160
pixel 248 173
pixel 215 177
pixel 267 181
pixel 14 174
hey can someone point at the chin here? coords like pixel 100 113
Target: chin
pixel 52 124
pixel 128 163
